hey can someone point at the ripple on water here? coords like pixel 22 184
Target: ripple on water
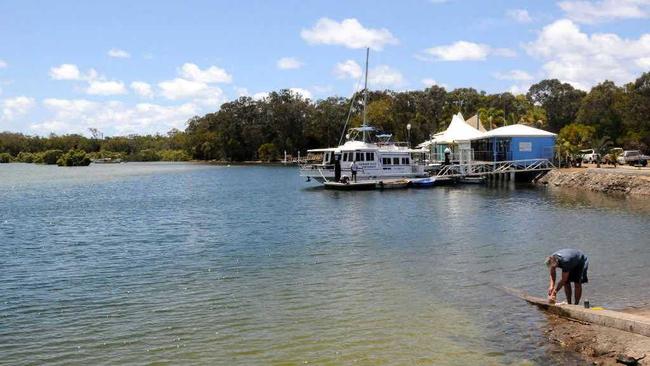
pixel 184 263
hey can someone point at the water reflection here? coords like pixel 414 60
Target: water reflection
pixel 574 198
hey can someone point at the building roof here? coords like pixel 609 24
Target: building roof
pixel 475 122
pixel 458 130
pixel 516 131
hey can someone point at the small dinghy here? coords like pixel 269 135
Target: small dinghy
pixel 393 184
pixel 351 186
pixel 423 182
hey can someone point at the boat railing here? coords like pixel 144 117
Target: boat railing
pixel 315 166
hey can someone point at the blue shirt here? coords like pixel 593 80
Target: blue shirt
pixel 569 259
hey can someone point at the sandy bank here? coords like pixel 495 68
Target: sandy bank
pixel 617 181
pixel 598 344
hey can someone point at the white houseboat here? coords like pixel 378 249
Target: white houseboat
pixel 375 155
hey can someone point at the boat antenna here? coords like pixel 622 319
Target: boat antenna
pixel 365 96
pixel 352 100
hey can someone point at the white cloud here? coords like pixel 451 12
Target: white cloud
pixel 142 89
pixel 199 92
pixel 464 51
pixel 427 82
pixel 287 63
pixel 518 75
pixel 385 76
pixel 519 88
pixel 347 69
pixel 241 92
pixel 15 107
pixel 65 72
pixel 113 117
pixel 118 53
pixel 349 33
pixel 212 74
pixel 72 72
pixel 194 84
pixel 302 92
pixel 260 95
pixel 643 62
pixel 519 15
pixel 585 60
pixel 378 77
pixel 98 87
pixel 180 88
pixel 605 10
pixel 3 64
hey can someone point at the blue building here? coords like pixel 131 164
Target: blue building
pixel 514 142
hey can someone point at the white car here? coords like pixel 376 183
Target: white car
pixel 632 157
pixel 589 156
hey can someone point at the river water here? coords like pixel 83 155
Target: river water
pixel 199 264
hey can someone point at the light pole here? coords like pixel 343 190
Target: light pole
pixel 408 133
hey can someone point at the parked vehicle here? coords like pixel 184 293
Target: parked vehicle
pixel 613 156
pixel 588 156
pixel 632 157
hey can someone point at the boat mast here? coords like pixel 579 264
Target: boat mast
pixel 365 96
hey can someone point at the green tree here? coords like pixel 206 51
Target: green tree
pixel 573 138
pixel 601 145
pixel 560 100
pixel 174 155
pixel 491 117
pixel 25 157
pixel 147 155
pixel 74 158
pixel 51 157
pixel 6 158
pixel 600 108
pixel 577 135
pixel 267 152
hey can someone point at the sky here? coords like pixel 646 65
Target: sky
pixel 144 66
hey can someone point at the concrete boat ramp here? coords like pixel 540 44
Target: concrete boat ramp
pixel 608 318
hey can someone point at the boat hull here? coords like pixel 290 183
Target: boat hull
pixel 351 186
pixel 393 184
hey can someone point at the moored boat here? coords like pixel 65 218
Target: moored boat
pixel 372 152
pixel 351 186
pixel 393 184
pixel 423 182
pixel 107 161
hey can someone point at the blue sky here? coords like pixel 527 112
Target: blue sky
pixel 147 66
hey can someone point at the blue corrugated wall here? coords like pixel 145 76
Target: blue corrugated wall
pixel 532 147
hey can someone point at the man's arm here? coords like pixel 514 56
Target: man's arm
pixel 551 285
pixel 563 281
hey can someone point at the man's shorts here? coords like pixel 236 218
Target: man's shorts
pixel 579 274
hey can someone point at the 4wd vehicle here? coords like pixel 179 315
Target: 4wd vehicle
pixel 632 157
pixel 588 156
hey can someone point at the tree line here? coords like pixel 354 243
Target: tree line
pixel 249 129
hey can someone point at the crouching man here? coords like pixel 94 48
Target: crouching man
pixel 574 265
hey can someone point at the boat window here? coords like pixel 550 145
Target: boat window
pixel 370 156
pixel 345 156
pixel 359 156
pixel 405 161
pixel 385 161
pixel 396 161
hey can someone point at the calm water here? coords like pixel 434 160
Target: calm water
pixel 196 264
